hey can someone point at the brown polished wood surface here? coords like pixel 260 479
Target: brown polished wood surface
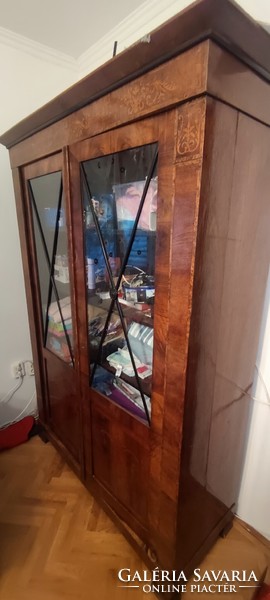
pixel 59 405
pixel 223 22
pixel 205 68
pixel 229 80
pixel 231 270
pixel 104 467
pixel 62 400
pixel 164 87
pixel 171 486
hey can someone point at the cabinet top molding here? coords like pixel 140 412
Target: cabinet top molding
pixel 222 21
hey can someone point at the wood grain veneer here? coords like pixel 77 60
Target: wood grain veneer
pixel 223 22
pixel 199 90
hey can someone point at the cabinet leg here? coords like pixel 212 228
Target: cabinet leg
pixel 43 435
pixel 39 430
pixel 224 532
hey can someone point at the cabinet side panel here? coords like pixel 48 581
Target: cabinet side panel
pixel 230 276
pixel 235 83
pixel 189 141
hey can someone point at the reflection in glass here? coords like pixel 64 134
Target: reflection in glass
pixel 120 204
pixel 46 194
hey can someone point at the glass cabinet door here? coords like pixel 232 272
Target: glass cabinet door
pixel 119 194
pixel 50 233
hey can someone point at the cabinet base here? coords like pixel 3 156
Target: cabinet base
pixel 140 545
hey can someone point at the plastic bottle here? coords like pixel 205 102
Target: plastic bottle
pixel 91 280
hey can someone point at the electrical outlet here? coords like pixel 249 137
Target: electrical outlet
pixel 17 370
pixel 30 368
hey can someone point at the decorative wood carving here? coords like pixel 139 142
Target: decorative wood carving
pixel 190 136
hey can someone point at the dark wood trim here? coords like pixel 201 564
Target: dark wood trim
pixel 230 81
pixel 43 167
pixel 223 22
pixel 162 88
pixel 73 292
pixel 70 245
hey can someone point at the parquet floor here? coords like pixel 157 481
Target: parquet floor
pixel 55 541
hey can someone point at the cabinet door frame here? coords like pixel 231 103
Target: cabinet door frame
pixel 160 129
pixel 46 166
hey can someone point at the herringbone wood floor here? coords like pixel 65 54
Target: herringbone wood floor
pixel 55 541
pixel 57 544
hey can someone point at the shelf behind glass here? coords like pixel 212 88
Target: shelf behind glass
pixel 120 204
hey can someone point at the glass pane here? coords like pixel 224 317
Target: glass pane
pixel 120 205
pixel 59 334
pixel 46 195
pixel 120 392
pixel 115 358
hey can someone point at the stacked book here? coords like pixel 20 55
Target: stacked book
pixel 121 362
pixel 59 326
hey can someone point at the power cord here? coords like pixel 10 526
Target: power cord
pixel 9 395
pixel 8 423
pixel 5 399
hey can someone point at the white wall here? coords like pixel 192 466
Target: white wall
pixel 254 498
pixel 30 76
pixel 143 20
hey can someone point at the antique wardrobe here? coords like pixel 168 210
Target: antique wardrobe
pixel 143 204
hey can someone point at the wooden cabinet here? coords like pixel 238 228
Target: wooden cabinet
pixel 143 204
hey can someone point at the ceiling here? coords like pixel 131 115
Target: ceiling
pixel 73 26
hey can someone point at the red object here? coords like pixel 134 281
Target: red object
pixel 16 434
pixel 264 593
